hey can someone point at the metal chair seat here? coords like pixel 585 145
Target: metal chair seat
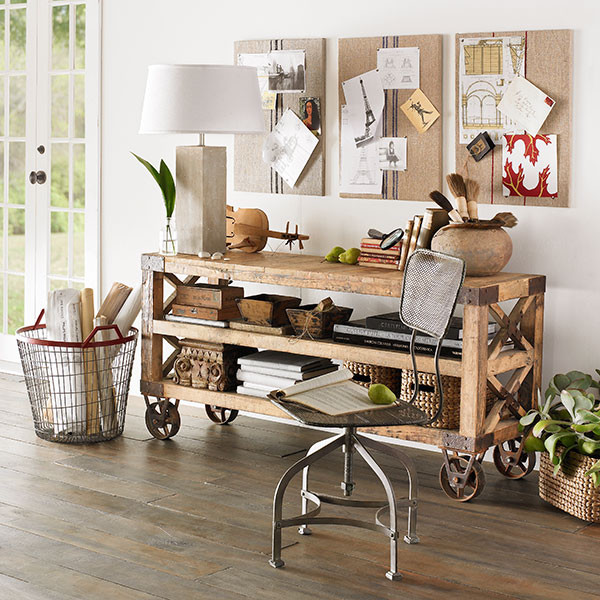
pixel 430 290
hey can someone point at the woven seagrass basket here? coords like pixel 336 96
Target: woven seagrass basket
pixel 570 490
pixel 427 399
pixel 368 374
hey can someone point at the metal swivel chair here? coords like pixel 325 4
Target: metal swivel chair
pixel 430 290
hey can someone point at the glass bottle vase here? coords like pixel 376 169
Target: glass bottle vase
pixel 168 239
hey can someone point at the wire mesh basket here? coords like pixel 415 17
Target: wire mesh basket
pixel 77 390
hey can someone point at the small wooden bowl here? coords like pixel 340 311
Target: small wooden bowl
pixel 317 325
pixel 266 309
pixel 486 248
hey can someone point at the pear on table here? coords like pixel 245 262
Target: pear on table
pixel 381 394
pixel 350 257
pixel 334 254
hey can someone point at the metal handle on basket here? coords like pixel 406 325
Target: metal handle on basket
pixel 40 317
pixel 88 340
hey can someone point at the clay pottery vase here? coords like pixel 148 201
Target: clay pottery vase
pixel 486 248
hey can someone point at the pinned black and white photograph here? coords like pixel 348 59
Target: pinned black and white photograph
pixel 287 70
pixel 392 153
pixel 310 113
pixel 364 100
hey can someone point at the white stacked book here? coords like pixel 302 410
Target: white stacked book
pixel 268 370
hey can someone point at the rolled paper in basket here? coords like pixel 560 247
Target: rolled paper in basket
pixel 89 363
pixel 106 390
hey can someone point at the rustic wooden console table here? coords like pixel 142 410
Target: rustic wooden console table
pixel 461 475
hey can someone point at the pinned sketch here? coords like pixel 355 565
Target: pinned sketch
pixel 529 165
pixel 392 153
pixel 526 105
pixel 359 167
pixel 364 101
pixel 399 68
pixel 288 147
pixel 486 68
pixel 420 112
pixel 310 113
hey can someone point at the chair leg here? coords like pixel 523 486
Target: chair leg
pixel 413 482
pixel 393 573
pixel 330 445
pixel 305 529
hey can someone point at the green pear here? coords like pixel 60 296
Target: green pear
pixel 350 257
pixel 334 254
pixel 381 394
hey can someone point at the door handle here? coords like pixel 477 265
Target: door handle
pixel 37 177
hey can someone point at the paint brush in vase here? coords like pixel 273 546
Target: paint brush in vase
pixel 456 183
pixel 444 203
pixel 472 189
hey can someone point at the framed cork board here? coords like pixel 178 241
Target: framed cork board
pixel 547 62
pixel 423 150
pixel 251 174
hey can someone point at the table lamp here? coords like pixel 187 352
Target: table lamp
pixel 201 99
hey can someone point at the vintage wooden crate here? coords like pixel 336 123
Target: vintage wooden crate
pixel 208 366
pixel 308 322
pixel 208 295
pixel 266 309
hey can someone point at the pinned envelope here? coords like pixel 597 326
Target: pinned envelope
pixel 526 105
pixel 420 112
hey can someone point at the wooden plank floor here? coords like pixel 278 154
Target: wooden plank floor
pixel 190 518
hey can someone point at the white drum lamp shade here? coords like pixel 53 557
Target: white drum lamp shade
pixel 202 99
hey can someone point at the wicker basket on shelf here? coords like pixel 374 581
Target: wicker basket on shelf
pixel 570 489
pixel 427 400
pixel 369 374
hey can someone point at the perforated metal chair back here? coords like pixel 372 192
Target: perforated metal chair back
pixel 432 281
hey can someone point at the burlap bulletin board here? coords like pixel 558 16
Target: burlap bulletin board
pixel 549 66
pixel 424 150
pixel 251 174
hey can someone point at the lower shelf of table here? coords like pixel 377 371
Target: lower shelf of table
pixel 505 430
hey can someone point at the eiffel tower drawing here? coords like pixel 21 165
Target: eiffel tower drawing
pixel 369 118
pixel 363 175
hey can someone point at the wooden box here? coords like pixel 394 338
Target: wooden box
pixel 207 295
pixel 208 366
pixel 211 314
pixel 266 309
pixel 317 325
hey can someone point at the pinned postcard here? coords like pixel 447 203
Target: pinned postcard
pixel 288 147
pixel 420 112
pixel 359 167
pixel 487 65
pixel 364 101
pixel 398 68
pixel 392 153
pixel 310 113
pixel 526 105
pixel 529 165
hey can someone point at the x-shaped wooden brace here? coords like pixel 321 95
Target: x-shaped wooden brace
pixel 509 328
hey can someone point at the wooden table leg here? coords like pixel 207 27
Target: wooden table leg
pixel 474 371
pixel 532 328
pixel 152 308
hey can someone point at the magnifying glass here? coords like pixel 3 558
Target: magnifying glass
pixel 388 240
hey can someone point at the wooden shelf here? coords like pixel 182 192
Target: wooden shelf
pixel 306 271
pixel 320 348
pixel 505 430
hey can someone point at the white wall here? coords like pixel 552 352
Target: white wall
pixel 561 243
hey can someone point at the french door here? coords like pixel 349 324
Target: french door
pixel 49 134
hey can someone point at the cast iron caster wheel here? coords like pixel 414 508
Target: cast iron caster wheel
pixel 474 484
pixel 509 463
pixel 162 419
pixel 220 415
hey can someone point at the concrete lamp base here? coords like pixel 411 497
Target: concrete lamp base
pixel 201 180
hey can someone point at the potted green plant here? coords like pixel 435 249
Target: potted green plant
pixel 565 428
pixel 164 179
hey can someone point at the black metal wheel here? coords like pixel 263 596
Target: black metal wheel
pixel 512 461
pixel 220 415
pixel 451 484
pixel 162 419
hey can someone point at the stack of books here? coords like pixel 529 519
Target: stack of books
pixel 372 255
pixel 268 370
pixel 387 331
pixel 206 304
